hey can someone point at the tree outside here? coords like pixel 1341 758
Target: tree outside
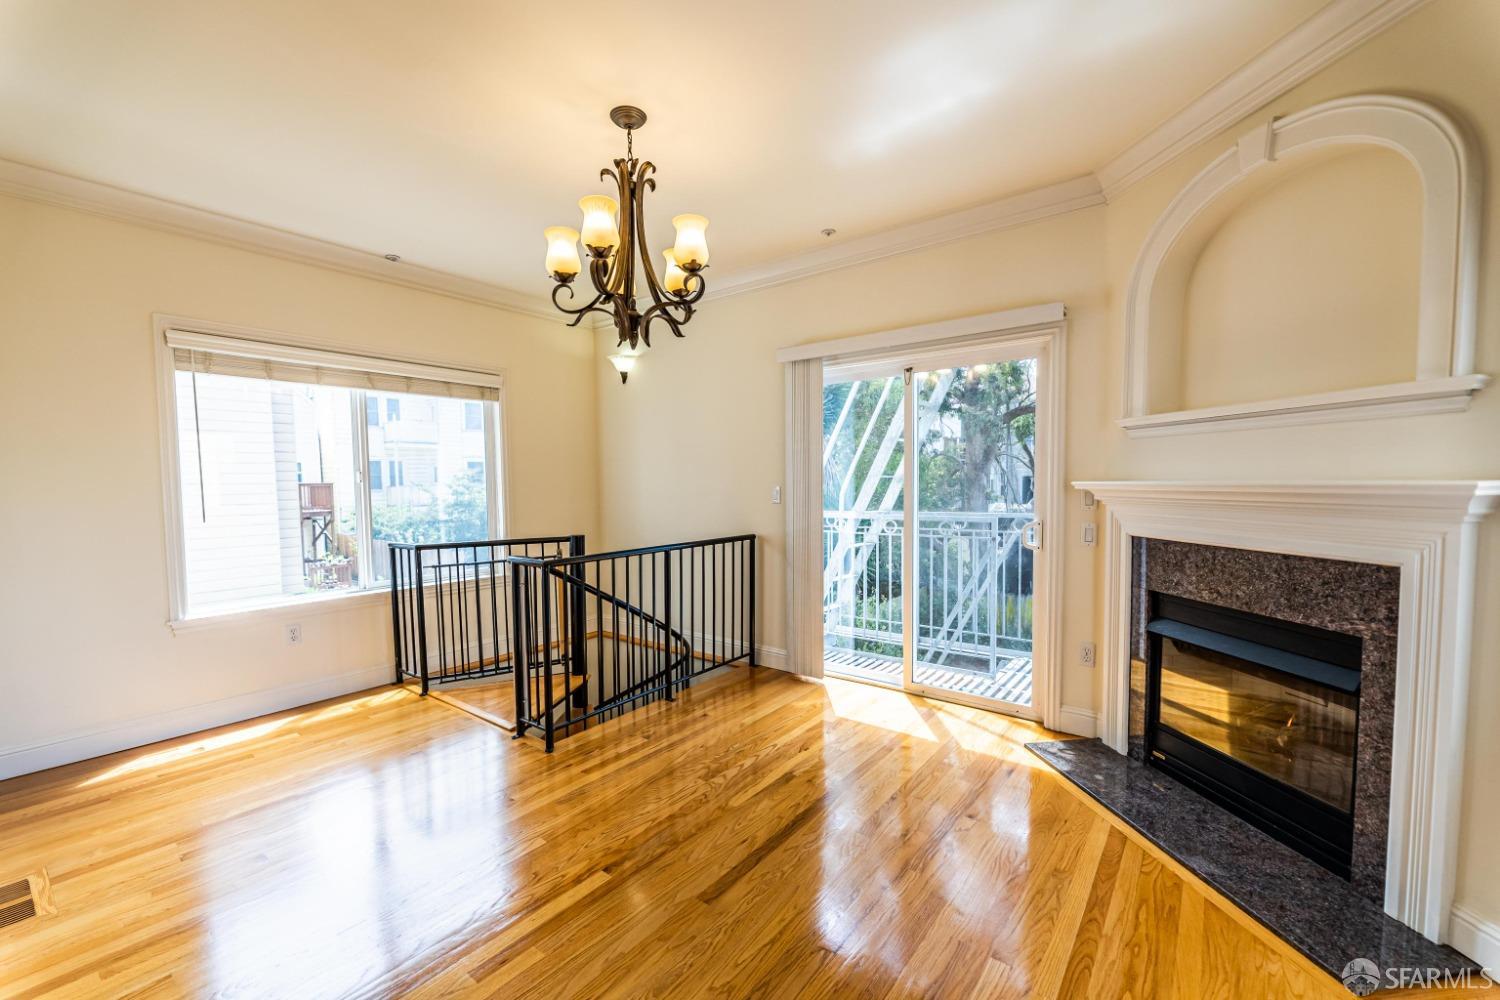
pixel 457 512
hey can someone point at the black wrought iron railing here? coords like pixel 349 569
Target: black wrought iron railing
pixel 599 635
pixel 451 607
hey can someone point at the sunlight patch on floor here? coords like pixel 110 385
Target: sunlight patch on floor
pixel 889 710
pixel 239 735
pixel 172 755
pixel 984 732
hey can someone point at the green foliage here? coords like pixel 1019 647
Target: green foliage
pixel 458 514
pixel 994 409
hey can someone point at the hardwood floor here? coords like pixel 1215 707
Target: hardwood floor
pixel 760 837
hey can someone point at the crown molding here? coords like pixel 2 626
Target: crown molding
pixel 1330 33
pixel 1014 210
pixel 49 187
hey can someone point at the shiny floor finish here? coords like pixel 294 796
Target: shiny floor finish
pixel 760 837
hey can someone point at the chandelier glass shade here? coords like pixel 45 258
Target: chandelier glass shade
pixel 618 259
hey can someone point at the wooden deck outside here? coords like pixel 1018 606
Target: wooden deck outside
pixel 1011 683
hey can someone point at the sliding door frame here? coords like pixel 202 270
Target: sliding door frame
pixel 1039 330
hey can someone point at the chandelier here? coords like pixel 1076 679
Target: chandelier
pixel 614 236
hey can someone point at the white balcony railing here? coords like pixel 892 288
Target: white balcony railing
pixel 974 586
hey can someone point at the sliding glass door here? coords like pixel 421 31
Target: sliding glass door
pixel 864 462
pixel 975 502
pixel 930 564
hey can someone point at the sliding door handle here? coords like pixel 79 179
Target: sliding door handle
pixel 1031 535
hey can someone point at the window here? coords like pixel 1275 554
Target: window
pixel 472 417
pixel 270 506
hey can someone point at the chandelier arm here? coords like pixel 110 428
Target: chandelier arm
pixel 599 271
pixel 662 311
pixel 581 311
pixel 628 331
pixel 694 286
pixel 645 182
pixel 622 277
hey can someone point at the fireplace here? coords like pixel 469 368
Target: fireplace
pixel 1259 714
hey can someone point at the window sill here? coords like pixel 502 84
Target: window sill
pixel 287 611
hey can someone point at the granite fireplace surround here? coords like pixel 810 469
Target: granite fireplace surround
pixel 1359 599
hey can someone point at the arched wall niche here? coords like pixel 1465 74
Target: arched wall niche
pixel 1447 261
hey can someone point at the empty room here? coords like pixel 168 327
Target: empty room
pixel 977 499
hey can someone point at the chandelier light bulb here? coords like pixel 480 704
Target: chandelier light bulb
pixel 674 279
pixel 562 252
pixel 600 234
pixel 692 242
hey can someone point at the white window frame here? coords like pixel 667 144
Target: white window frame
pixel 169 332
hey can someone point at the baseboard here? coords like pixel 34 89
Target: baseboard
pixel 1475 937
pixel 1078 721
pixel 771 656
pixel 16 761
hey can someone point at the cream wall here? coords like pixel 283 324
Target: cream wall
pixel 1334 306
pixel 89 664
pixel 693 445
pixel 695 442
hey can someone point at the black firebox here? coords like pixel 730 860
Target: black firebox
pixel 1260 715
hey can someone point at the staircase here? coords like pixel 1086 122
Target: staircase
pixel 578 638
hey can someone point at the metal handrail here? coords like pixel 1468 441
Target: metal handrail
pixel 676 610
pixel 623 553
pixel 470 632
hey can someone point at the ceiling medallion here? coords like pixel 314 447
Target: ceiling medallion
pixel 614 234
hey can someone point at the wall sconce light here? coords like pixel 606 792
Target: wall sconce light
pixel 624 364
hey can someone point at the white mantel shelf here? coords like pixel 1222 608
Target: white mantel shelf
pixel 1469 497
pixel 1426 528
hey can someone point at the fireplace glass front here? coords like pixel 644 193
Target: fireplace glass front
pixel 1260 715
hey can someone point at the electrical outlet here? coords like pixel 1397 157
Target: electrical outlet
pixel 776 494
pixel 293 635
pixel 1088 533
pixel 1086 654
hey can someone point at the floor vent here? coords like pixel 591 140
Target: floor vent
pixel 16 903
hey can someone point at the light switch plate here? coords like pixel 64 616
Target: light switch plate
pixel 776 494
pixel 1089 534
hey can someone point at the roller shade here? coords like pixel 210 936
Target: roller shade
pixel 207 355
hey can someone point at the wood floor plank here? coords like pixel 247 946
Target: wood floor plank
pixel 761 836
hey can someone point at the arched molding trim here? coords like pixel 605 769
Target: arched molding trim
pixel 1450 180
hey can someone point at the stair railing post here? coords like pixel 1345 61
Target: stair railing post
pixel 420 584
pixel 545 695
pixel 666 617
pixel 520 642
pixel 579 651
pixel 396 614
pixel 751 543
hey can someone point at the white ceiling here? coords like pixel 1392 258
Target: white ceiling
pixel 453 132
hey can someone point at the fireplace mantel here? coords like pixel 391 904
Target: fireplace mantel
pixel 1428 529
